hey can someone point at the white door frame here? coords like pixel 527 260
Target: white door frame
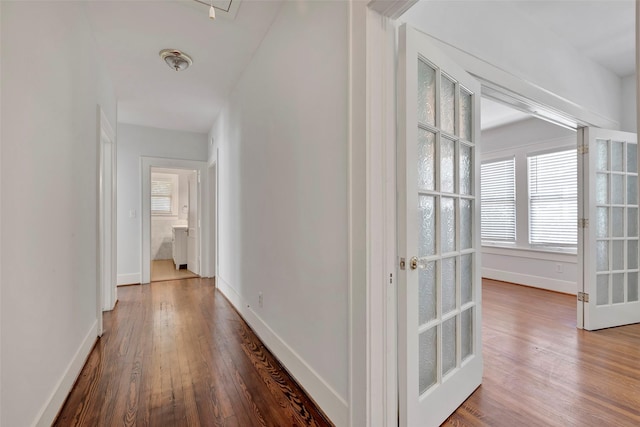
pixel 213 218
pixel 106 293
pixel 146 163
pixel 373 324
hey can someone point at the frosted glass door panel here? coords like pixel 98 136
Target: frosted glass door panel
pixel 610 242
pixel 439 292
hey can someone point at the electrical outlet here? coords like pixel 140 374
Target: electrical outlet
pixel 260 300
pixel 559 268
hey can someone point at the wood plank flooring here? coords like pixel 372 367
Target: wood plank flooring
pixel 176 353
pixel 539 370
pixel 165 269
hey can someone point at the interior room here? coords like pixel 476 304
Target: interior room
pixel 313 132
pixel 170 224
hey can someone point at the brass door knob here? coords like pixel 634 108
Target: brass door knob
pixel 413 263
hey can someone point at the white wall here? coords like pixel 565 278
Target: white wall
pixel 134 142
pixel 51 84
pixel 521 263
pixel 496 32
pixel 282 164
pixel 629 106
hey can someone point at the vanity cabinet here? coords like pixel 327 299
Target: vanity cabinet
pixel 179 245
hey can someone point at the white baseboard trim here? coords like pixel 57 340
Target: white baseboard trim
pixel 128 279
pixel 335 407
pixel 547 283
pixel 50 410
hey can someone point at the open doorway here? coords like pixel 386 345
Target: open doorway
pixel 529 193
pixel 174 218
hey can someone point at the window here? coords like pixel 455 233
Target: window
pixel 553 198
pixel 498 201
pixel 163 194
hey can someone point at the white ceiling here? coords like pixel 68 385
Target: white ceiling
pixel 494 114
pixel 131 33
pixel 602 30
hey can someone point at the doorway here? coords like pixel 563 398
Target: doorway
pixel 197 210
pixel 106 292
pixel 173 224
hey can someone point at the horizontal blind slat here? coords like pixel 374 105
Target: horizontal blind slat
pixel 498 201
pixel 553 198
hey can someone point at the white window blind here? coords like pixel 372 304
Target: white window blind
pixel 161 197
pixel 498 201
pixel 553 198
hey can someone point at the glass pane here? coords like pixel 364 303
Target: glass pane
pixel 602 289
pixel 447 165
pixel 466 329
pixel 602 155
pixel 465 114
pixel 466 224
pixel 465 170
pixel 617 189
pixel 617 156
pixel 632 254
pixel 632 286
pixel 602 255
pixel 427 293
pixel 602 189
pixel 602 222
pixel 448 285
pixel 632 158
pixel 426 93
pixel 617 288
pixel 466 278
pixel 617 222
pixel 617 255
pixel 632 222
pixel 632 190
pixel 427 353
pixel 448 345
pixel 427 221
pixel 448 224
pixel 447 104
pixel 426 160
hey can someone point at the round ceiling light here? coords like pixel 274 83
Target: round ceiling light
pixel 175 59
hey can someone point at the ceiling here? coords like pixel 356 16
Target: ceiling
pixel 494 114
pixel 130 34
pixel 602 30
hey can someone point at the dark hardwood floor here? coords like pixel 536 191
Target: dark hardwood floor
pixel 539 370
pixel 177 354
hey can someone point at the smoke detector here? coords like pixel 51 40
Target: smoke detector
pixel 176 59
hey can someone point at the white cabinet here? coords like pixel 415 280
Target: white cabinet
pixel 179 245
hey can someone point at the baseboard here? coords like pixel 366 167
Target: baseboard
pixel 325 397
pixel 549 284
pixel 128 279
pixel 50 410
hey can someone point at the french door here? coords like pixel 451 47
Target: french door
pixel 439 294
pixel 608 236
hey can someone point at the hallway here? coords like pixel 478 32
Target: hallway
pixel 177 354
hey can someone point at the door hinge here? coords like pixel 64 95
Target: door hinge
pixel 583 296
pixel 403 264
pixel 583 223
pixel 583 149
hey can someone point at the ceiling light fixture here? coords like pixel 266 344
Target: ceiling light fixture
pixel 212 11
pixel 175 59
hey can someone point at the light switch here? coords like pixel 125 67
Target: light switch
pixel 132 213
